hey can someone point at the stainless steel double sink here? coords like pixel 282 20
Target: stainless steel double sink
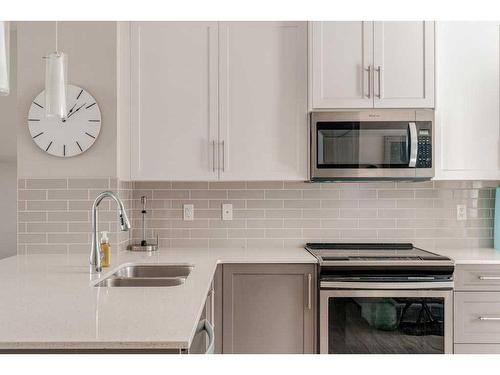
pixel 148 275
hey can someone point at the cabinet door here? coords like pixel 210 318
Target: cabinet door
pixel 341 54
pixel 173 100
pixel 468 100
pixel 263 100
pixel 404 64
pixel 268 308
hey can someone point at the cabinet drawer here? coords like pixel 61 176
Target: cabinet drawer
pixel 477 317
pixel 484 277
pixel 477 349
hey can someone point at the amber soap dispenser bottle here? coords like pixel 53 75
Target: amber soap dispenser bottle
pixel 105 249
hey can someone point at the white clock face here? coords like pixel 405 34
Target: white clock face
pixel 69 136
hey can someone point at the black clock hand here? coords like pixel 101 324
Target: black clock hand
pixel 71 110
pixel 72 113
pixel 76 102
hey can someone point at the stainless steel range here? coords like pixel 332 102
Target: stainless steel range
pixel 383 298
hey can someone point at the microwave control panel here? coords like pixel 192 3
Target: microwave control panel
pixel 424 151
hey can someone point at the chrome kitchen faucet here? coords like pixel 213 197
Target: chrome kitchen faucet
pixel 95 251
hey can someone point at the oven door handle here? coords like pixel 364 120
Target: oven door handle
pixel 413 141
pixel 489 318
pixel 386 285
pixel 489 278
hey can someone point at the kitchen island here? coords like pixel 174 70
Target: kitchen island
pixel 49 302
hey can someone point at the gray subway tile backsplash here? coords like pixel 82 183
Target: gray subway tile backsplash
pixel 54 214
pixel 42 183
pixel 89 183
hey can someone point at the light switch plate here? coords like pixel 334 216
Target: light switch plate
pixel 227 211
pixel 461 212
pixel 188 214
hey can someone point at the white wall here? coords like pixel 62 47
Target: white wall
pixel 123 100
pixel 91 48
pixel 8 208
pixel 8 175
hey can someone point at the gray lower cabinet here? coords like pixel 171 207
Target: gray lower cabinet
pixel 477 318
pixel 482 277
pixel 477 309
pixel 268 308
pixel 477 349
pixel 201 341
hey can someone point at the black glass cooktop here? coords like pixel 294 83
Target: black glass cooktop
pixel 334 252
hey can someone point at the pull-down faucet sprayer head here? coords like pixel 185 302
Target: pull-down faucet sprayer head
pixel 124 221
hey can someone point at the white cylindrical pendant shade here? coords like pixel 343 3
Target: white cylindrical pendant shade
pixel 4 58
pixel 55 85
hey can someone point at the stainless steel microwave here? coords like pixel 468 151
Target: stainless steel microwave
pixel 371 145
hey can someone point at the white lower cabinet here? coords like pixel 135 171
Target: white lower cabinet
pixel 468 100
pixel 477 309
pixel 218 100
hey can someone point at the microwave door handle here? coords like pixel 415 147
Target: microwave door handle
pixel 413 144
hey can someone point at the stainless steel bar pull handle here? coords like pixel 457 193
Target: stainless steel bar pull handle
pixel 223 156
pixel 144 200
pixel 213 155
pixel 413 141
pixel 380 92
pixel 309 291
pixel 489 277
pixel 369 70
pixel 489 318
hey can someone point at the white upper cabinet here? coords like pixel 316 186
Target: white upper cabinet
pixel 371 65
pixel 468 100
pixel 341 59
pixel 174 105
pixel 263 100
pixel 218 100
pixel 403 64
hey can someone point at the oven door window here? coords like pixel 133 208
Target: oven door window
pixel 370 325
pixel 363 145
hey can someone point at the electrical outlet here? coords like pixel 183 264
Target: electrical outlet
pixel 227 211
pixel 461 212
pixel 188 214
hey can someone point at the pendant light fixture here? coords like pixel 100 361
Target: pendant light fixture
pixel 55 83
pixel 4 58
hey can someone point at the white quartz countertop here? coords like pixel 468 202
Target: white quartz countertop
pixel 50 302
pixel 471 255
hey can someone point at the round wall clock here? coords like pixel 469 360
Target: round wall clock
pixel 69 136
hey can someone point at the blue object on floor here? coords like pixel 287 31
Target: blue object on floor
pixel 496 227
